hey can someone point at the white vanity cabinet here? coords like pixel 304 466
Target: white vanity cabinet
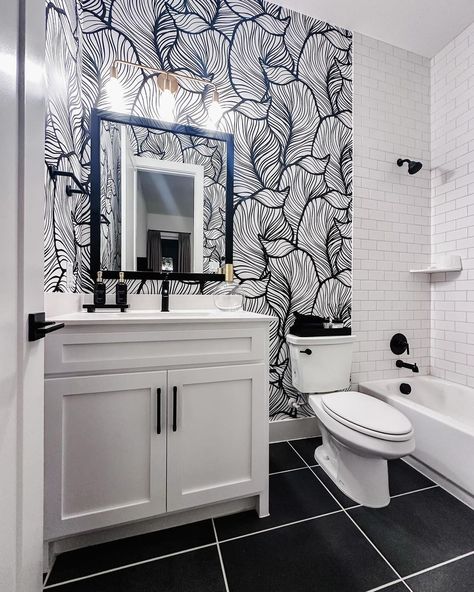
pixel 143 419
pixel 105 462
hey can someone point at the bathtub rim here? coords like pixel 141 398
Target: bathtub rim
pixel 406 401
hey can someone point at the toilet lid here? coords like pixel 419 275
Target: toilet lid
pixel 367 414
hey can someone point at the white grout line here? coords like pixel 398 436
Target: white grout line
pixel 217 542
pixel 224 575
pixel 249 534
pixel 48 573
pixel 384 586
pixel 438 565
pixel 414 491
pixel 296 439
pixel 438 484
pixel 122 567
pixel 353 521
pixel 291 470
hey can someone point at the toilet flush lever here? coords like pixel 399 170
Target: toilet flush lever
pixel 306 351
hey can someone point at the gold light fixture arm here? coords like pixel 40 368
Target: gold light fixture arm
pixel 163 75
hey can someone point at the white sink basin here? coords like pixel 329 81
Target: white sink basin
pixel 182 313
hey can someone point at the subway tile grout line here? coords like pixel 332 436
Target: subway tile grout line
pixel 221 560
pixel 122 567
pixel 354 522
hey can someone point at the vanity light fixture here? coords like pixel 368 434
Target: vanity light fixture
pixel 215 110
pixel 168 86
pixel 167 83
pixel 115 91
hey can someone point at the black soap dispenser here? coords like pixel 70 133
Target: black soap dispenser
pixel 121 291
pixel 99 291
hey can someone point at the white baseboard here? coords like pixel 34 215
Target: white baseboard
pixel 293 429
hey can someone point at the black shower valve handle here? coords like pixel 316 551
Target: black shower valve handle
pixel 399 344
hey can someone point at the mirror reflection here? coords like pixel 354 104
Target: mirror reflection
pixel 163 200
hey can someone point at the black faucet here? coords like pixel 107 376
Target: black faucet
pixel 412 367
pixel 165 294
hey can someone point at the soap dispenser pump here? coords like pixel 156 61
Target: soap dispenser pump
pixel 99 291
pixel 121 290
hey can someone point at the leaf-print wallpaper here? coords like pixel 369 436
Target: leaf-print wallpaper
pixel 285 83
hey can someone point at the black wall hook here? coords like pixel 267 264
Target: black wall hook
pixel 54 173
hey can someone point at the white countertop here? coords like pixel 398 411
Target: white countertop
pixel 145 316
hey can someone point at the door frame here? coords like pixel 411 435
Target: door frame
pixel 196 172
pixel 22 31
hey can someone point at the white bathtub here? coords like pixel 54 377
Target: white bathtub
pixel 442 414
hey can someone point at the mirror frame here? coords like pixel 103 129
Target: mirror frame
pixel 99 115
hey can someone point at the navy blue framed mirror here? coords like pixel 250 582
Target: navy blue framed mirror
pixel 161 199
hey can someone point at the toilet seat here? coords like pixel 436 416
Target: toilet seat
pixel 367 415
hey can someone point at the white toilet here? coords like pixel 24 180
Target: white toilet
pixel 360 433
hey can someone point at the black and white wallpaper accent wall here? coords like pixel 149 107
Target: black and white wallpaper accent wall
pixel 110 196
pixel 285 82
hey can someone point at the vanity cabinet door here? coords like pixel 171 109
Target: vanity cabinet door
pixel 105 450
pixel 217 449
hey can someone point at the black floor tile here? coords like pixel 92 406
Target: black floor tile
pixel 403 478
pixel 283 458
pixel 456 577
pixel 90 560
pixel 306 448
pixel 293 496
pixel 345 501
pixel 328 554
pixel 419 530
pixel 398 587
pixel 188 572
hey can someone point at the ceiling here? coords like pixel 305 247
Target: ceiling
pixel 167 194
pixel 421 26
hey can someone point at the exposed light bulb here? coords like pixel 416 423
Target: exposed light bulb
pixel 115 91
pixel 167 104
pixel 215 110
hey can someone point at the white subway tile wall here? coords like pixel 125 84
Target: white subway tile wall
pixel 391 208
pixel 452 226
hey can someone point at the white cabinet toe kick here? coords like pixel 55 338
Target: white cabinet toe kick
pixel 152 425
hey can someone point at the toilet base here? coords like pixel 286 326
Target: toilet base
pixel 362 478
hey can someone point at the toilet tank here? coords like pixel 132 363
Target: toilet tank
pixel 321 364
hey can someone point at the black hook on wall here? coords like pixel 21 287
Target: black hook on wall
pixel 54 173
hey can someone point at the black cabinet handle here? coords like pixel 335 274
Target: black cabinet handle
pixel 306 351
pixel 175 408
pixel 158 411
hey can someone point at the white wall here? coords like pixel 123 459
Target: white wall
pixel 452 127
pixel 171 223
pixel 391 208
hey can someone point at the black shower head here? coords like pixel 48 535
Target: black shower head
pixel 413 165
